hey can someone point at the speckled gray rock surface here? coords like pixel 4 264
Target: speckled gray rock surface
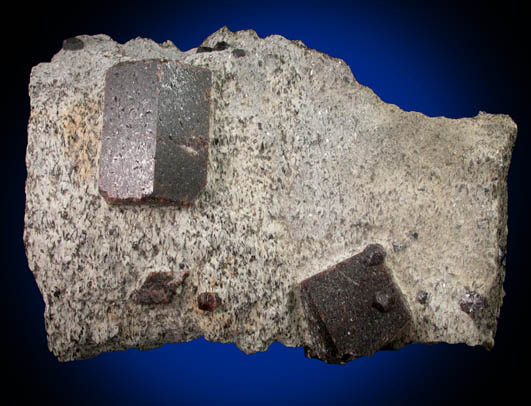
pixel 306 168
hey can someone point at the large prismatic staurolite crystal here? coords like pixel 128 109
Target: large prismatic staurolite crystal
pixel 154 142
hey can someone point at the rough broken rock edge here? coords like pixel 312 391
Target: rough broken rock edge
pixel 306 168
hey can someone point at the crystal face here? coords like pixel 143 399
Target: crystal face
pixel 354 308
pixel 155 133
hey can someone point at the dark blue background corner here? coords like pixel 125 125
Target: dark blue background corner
pixel 441 59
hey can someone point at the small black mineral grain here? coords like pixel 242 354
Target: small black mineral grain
pixel 238 53
pixel 220 46
pixel 200 50
pixel 208 301
pixel 422 297
pixel 374 254
pixel 73 44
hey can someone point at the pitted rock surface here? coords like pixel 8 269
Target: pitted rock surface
pixel 306 167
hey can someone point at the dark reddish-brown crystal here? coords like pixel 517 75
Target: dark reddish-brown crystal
pixel 154 143
pixel 354 308
pixel 208 301
pixel 472 303
pixel 158 288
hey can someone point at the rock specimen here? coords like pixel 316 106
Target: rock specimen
pixel 154 143
pixel 306 168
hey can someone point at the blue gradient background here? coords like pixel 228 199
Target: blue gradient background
pixel 440 59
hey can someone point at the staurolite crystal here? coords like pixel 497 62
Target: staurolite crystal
pixel 154 143
pixel 301 167
pixel 159 288
pixel 354 308
pixel 208 301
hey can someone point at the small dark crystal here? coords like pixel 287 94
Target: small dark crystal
pixel 374 254
pixel 238 53
pixel 203 49
pixel 208 301
pixel 158 288
pixel 422 297
pixel 73 44
pixel 472 303
pixel 220 46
